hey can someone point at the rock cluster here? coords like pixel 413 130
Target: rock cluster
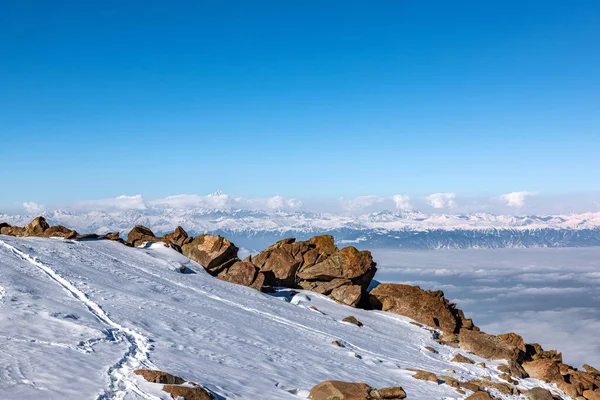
pixel 39 227
pixel 338 390
pixel 177 387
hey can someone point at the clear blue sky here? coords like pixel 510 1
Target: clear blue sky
pixel 299 98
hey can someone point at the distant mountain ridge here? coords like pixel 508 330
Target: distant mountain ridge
pixel 405 229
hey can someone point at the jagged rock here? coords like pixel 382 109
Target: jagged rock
pixel 501 387
pixel 6 229
pixel 534 351
pixel 188 392
pixel 487 346
pixel 337 343
pixel 60 231
pixel 395 392
pixel 514 340
pixel 592 394
pixel 426 376
pixel 156 376
pixel 36 227
pixel 570 389
pixel 178 237
pixel 538 393
pixel 243 273
pixel 352 320
pixel 459 358
pixel 140 234
pixel 431 349
pixel 413 302
pixel 479 396
pixel 338 390
pixel 349 295
pixel 470 386
pixel 346 263
pixel 543 369
pixel 324 287
pixel 280 264
pixel 214 253
pixel 591 370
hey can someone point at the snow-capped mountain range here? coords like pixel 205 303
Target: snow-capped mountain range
pixel 405 229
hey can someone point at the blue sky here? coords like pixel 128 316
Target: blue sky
pixel 305 99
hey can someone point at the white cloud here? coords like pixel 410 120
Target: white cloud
pixel 124 202
pixel 361 202
pixel 221 201
pixel 402 202
pixel 441 200
pixel 516 199
pixel 33 208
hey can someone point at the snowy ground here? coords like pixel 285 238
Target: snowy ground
pixel 76 318
pixel 550 296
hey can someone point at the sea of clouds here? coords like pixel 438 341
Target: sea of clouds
pixel 549 296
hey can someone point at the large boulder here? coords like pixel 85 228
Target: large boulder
pixel 488 346
pixel 140 234
pixel 36 227
pixel 6 229
pixel 338 390
pixel 278 264
pixel 538 393
pixel 430 308
pixel 60 231
pixel 243 273
pixel 348 263
pixel 178 238
pixel 194 392
pixel 349 295
pixel 543 369
pixel 214 253
pixel 156 376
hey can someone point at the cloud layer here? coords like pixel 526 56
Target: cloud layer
pixel 516 199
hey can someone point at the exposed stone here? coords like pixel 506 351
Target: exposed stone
pixel 140 234
pixel 501 387
pixel 470 386
pixel 281 265
pixel 178 237
pixel 338 390
pixel 325 287
pixel 481 364
pixel 60 231
pixel 188 392
pixel 487 346
pixel 36 227
pixel 242 273
pixel 591 370
pixel 431 349
pixel 538 393
pixel 459 358
pixel 413 302
pixel 349 295
pixel 395 392
pixel 337 343
pixel 352 320
pixel 513 339
pixel 214 253
pixel 592 394
pixel 346 263
pixel 543 369
pixel 426 376
pixel 156 376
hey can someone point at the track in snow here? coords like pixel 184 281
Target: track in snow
pixel 122 379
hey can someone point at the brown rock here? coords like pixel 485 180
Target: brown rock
pixel 324 287
pixel 571 390
pixel 513 339
pixel 426 376
pixel 346 263
pixel 282 265
pixel 592 394
pixel 470 386
pixel 352 320
pixel 338 390
pixel 459 358
pixel 156 376
pixel 59 231
pixel 413 302
pixel 431 349
pixel 501 387
pixel 242 273
pixel 591 370
pixel 538 393
pixel 187 392
pixel 178 237
pixel 395 392
pixel 543 369
pixel 140 234
pixel 487 346
pixel 337 343
pixel 212 252
pixel 479 396
pixel 36 227
pixel 349 295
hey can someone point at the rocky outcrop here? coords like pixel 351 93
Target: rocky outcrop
pixel 430 308
pixel 338 390
pixel 36 227
pixel 6 229
pixel 538 393
pixel 177 238
pixel 60 231
pixel 214 253
pixel 140 234
pixel 318 265
pixel 156 376
pixel 488 346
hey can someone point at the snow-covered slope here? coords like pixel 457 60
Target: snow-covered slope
pixel 409 229
pixel 76 318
